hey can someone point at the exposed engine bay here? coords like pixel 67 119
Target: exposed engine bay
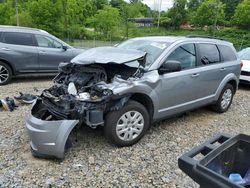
pixel 80 92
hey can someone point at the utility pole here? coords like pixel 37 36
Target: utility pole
pixel 17 15
pixel 216 15
pixel 159 15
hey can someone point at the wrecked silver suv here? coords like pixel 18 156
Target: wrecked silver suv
pixel 126 88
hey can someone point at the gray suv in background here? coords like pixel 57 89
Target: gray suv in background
pixel 28 50
pixel 127 88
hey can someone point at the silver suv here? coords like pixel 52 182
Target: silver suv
pixel 28 50
pixel 127 88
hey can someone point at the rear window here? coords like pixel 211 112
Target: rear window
pixel 227 54
pixel 18 38
pixel 209 54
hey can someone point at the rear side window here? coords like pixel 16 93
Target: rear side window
pixel 227 54
pixel 209 54
pixel 18 38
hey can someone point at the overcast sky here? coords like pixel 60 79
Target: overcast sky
pixel 154 4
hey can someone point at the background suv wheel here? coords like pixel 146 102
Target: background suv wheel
pixel 225 99
pixel 128 125
pixel 5 73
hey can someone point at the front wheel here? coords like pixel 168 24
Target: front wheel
pixel 128 125
pixel 225 99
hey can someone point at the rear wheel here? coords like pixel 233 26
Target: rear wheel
pixel 128 125
pixel 225 99
pixel 5 73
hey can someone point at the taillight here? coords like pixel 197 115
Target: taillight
pixel 241 64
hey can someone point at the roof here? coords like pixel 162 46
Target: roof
pixel 172 39
pixel 21 29
pixel 169 39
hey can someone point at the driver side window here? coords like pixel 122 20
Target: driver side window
pixel 47 42
pixel 185 54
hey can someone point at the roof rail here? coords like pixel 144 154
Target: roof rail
pixel 20 27
pixel 204 36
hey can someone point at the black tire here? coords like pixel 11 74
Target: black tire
pixel 7 71
pixel 218 107
pixel 113 117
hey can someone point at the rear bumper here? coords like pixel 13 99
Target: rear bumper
pixel 48 138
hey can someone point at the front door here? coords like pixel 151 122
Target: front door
pixel 51 53
pixel 178 91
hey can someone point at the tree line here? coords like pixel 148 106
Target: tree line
pixel 73 19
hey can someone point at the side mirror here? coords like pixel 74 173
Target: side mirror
pixel 65 48
pixel 170 66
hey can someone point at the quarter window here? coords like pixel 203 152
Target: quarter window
pixel 18 38
pixel 185 54
pixel 227 54
pixel 47 42
pixel 208 54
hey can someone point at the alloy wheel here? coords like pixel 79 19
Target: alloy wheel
pixel 226 98
pixel 4 74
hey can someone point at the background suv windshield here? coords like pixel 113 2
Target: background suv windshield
pixel 152 48
pixel 245 54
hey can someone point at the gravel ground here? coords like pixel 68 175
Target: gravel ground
pixel 92 162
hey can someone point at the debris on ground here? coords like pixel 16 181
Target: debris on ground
pixel 10 104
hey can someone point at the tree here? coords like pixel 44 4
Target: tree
pixel 6 11
pixel 46 14
pixel 208 12
pixel 75 14
pixel 177 13
pixel 106 21
pixel 242 15
pixel 230 6
pixel 193 4
pixel 99 3
pixel 117 3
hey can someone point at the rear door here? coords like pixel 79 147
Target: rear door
pixel 210 67
pixel 19 49
pixel 51 53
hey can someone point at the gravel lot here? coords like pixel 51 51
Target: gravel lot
pixel 92 162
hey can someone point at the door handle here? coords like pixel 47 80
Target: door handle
pixel 222 69
pixel 42 52
pixel 195 75
pixel 5 49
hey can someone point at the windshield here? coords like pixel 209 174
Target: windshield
pixel 152 48
pixel 244 54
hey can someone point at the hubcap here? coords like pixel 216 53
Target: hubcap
pixel 4 74
pixel 226 98
pixel 130 125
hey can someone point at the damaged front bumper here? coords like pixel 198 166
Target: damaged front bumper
pixel 48 138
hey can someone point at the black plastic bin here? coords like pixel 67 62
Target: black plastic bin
pixel 221 155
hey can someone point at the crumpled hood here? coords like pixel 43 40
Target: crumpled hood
pixel 104 55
